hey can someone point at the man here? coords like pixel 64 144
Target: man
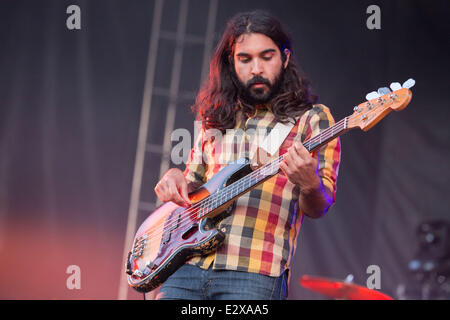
pixel 253 84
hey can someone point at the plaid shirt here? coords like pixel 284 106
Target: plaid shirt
pixel 262 231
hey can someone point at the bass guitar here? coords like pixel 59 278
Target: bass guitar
pixel 172 234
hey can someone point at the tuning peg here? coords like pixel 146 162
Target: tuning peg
pixel 395 86
pixel 372 95
pixel 382 91
pixel 409 83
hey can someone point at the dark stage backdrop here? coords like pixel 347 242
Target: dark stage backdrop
pixel 70 104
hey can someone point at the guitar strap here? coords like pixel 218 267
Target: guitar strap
pixel 276 137
pixel 271 143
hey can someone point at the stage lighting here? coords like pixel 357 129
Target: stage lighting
pixel 430 266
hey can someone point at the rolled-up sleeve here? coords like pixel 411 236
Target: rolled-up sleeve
pixel 329 155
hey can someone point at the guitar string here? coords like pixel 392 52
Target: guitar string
pixel 198 204
pixel 324 134
pixel 193 214
pixel 205 203
pixel 193 210
pixel 212 199
pixel 186 221
pixel 343 121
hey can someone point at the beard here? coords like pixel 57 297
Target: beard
pixel 256 95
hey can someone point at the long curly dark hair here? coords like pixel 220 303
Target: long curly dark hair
pixel 217 102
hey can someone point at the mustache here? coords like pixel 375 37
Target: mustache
pixel 258 79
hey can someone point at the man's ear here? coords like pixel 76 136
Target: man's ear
pixel 287 54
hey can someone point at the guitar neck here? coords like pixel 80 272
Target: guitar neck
pixel 267 171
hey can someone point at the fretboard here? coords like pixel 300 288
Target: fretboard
pixel 267 171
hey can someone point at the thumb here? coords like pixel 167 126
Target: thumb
pixel 184 192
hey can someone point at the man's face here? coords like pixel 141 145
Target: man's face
pixel 258 66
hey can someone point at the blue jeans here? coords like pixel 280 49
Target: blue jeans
pixel 193 283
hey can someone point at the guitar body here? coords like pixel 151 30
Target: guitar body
pixel 169 236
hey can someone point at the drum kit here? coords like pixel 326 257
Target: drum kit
pixel 341 290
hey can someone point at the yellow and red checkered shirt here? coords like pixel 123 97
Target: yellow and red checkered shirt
pixel 262 231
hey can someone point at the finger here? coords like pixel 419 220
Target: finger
pixel 287 159
pixel 295 161
pixel 296 158
pixel 301 150
pixel 184 192
pixel 161 192
pixel 296 146
pixel 293 152
pixel 284 167
pixel 174 194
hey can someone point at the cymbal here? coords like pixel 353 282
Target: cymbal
pixel 340 289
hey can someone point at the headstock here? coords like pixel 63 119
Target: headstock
pixel 379 104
